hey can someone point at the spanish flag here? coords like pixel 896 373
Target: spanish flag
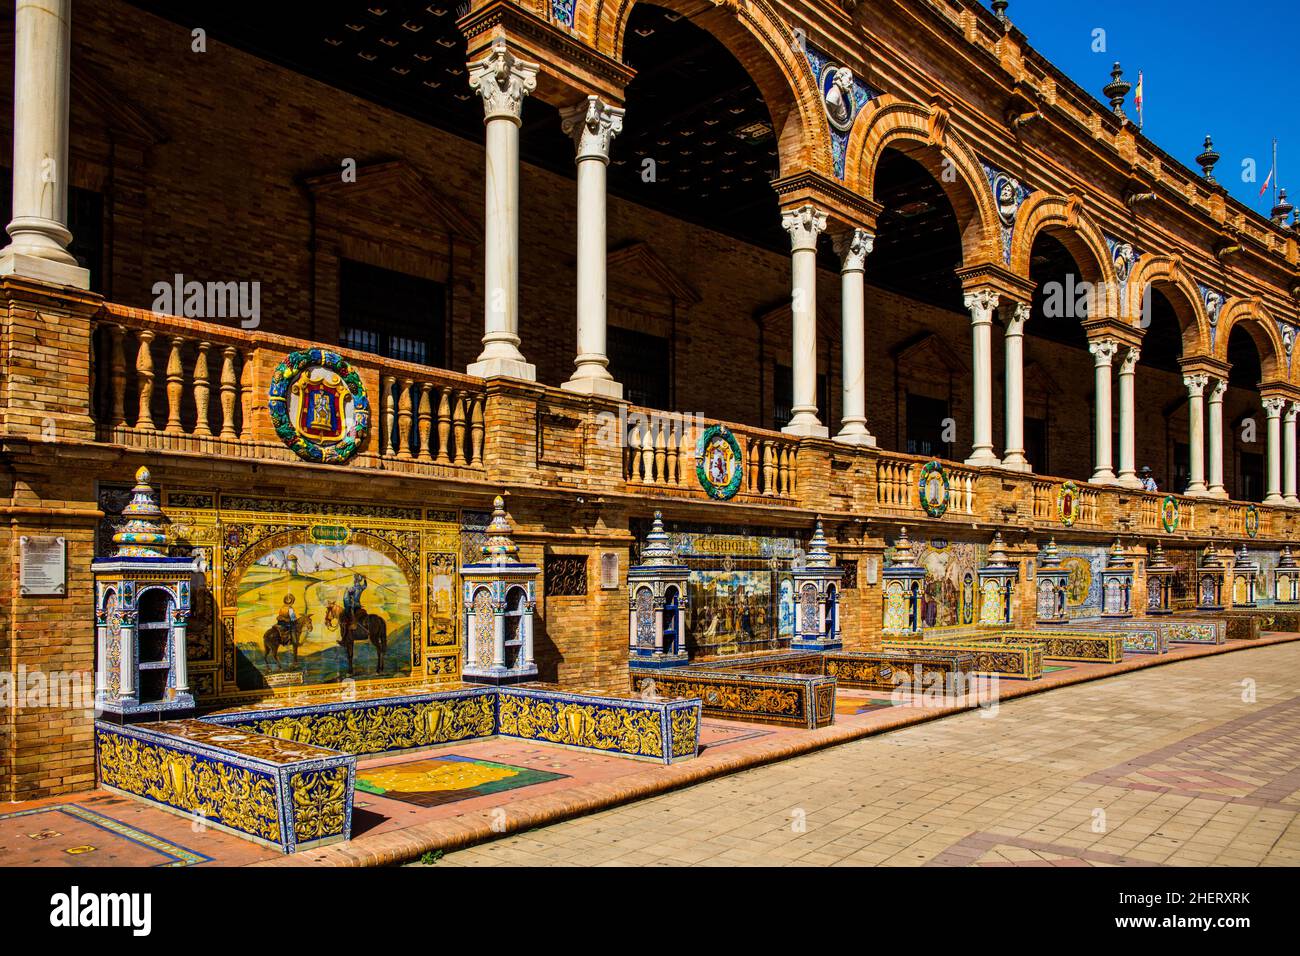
pixel 1137 99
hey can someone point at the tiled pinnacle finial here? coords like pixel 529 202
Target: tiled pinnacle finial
pixel 1051 555
pixel 1116 556
pixel 1210 556
pixel 1244 558
pixel 1207 160
pixel 1116 90
pixel 904 557
pixel 142 536
pixel 657 552
pixel 998 551
pixel 819 555
pixel 500 547
pixel 1156 559
pixel 1287 560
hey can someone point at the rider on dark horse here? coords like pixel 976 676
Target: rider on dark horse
pixel 352 602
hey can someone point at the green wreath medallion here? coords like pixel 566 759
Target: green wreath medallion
pixel 318 406
pixel 718 462
pixel 934 489
pixel 1067 503
pixel 1169 514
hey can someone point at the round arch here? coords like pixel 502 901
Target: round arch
pixel 770 53
pixel 1064 219
pixel 1255 319
pixel 1166 273
pixel 923 133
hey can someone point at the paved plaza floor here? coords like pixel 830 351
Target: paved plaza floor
pixel 1196 763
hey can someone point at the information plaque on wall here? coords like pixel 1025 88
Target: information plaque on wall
pixel 43 566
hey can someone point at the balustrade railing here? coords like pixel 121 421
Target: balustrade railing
pixel 426 419
pixel 661 446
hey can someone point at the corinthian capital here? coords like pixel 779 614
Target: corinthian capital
pixel 1273 405
pixel 1019 316
pixel 804 224
pixel 503 80
pixel 1196 383
pixel 1130 360
pixel 1103 350
pixel 853 247
pixel 1220 387
pixel 981 303
pixel 593 124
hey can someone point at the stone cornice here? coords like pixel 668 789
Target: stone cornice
pixel 568 66
pixel 844 206
pixel 1010 287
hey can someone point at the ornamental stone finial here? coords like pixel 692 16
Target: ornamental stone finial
pixel 1051 555
pixel 142 536
pixel 1116 90
pixel 503 80
pixel 998 552
pixel 658 551
pixel 904 556
pixel 804 225
pixel 1207 159
pixel 819 555
pixel 592 123
pixel 500 547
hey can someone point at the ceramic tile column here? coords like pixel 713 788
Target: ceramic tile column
pixel 593 124
pixel 1288 455
pixel 981 304
pixel 1215 403
pixel 1127 419
pixel 42 66
pixel 804 225
pixel 502 80
pixel 853 248
pixel 1014 456
pixel 1273 406
pixel 1103 351
pixel 1196 431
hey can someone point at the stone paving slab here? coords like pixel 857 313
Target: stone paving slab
pixel 396 826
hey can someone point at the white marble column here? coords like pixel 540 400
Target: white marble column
pixel 981 304
pixel 1273 409
pixel 1196 432
pixel 1289 496
pixel 502 80
pixel 42 67
pixel 853 248
pixel 126 657
pixel 180 658
pixel 1014 455
pixel 593 124
pixel 1127 420
pixel 1216 489
pixel 1103 351
pixel 804 225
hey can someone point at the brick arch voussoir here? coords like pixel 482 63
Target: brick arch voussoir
pixel 924 133
pixel 1169 272
pixel 1065 218
pixel 1250 313
pixel 767 49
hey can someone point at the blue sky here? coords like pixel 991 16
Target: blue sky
pixel 1226 69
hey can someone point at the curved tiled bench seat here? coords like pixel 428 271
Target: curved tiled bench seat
pixel 792 700
pixel 887 670
pixel 284 777
pixel 1104 644
pixel 280 793
pixel 1006 659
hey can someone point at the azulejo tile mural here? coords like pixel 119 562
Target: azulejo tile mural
pixel 295 594
pixel 447 778
pixel 948 589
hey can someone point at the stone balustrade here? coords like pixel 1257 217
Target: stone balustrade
pixel 163 383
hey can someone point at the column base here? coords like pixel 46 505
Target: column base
pixel 590 385
pixel 983 458
pixel 1128 480
pixel 44 270
pixel 1016 461
pixel 1102 476
pixel 809 428
pixel 1274 499
pixel 856 435
pixel 504 368
pixel 1197 490
pixel 1218 491
pixel 1291 501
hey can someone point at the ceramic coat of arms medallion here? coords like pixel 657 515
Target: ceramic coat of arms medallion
pixel 319 406
pixel 934 489
pixel 1067 503
pixel 1169 514
pixel 718 462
